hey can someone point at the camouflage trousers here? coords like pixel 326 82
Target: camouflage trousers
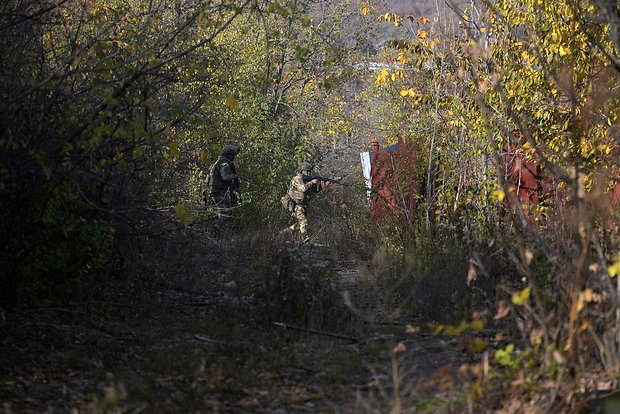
pixel 223 204
pixel 301 222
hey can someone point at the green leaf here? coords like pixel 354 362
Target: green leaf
pixel 232 103
pixel 174 148
pixel 182 213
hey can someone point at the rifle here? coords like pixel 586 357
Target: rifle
pixel 334 180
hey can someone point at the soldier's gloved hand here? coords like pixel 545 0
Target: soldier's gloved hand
pixel 325 184
pixel 314 181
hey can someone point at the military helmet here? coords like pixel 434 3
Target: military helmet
pixel 305 166
pixel 231 150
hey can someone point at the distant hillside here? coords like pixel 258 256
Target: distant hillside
pixel 427 8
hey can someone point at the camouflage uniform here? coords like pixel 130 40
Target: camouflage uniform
pixel 301 191
pixel 225 183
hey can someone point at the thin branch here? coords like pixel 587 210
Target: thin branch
pixel 315 331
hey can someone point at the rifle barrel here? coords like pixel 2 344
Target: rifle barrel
pixel 336 180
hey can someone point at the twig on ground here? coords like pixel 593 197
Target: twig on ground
pixel 316 332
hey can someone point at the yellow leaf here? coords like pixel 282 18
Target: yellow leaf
pixel 522 297
pixel 422 34
pixel 604 148
pixel 477 325
pixel 581 303
pixel 476 346
pixel 614 269
pixel 404 93
pixel 402 58
pixel 423 20
pixel 364 11
pixel 182 213
pixel 232 103
pixel 498 194
pixel 381 77
pixel 585 325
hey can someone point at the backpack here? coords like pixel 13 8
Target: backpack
pixel 207 189
pixel 288 203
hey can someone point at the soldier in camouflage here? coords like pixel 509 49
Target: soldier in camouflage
pixel 300 190
pixel 225 183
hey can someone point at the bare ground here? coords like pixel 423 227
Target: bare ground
pixel 208 343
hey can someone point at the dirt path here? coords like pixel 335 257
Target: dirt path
pixel 170 348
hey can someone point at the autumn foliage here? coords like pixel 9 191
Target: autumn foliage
pixel 521 97
pixel 111 111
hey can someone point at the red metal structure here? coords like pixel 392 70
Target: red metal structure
pixel 532 184
pixel 522 173
pixel 614 195
pixel 393 183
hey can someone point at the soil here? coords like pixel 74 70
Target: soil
pixel 205 344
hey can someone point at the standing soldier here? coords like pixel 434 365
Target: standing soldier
pixel 300 191
pixel 222 191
